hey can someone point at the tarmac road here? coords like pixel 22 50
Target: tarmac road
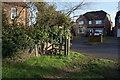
pixel 109 49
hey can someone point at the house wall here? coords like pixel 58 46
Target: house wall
pixel 106 23
pixel 23 18
pixel 108 26
pixel 94 23
pixel 75 28
pixel 82 26
pixel 82 18
pixel 117 26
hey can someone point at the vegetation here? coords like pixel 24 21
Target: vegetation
pixel 46 30
pixel 93 43
pixel 15 39
pixel 73 66
pixel 106 38
pixel 77 37
pixel 97 68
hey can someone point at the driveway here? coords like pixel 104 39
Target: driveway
pixel 106 50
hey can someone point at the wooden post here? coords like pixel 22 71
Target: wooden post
pixel 68 45
pixel 65 46
pixel 52 49
pixel 101 37
pixel 36 50
pixel 60 45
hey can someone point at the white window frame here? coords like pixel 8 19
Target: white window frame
pixel 13 13
pixel 98 21
pixel 81 22
pixel 90 22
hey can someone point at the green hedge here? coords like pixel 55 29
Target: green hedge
pixel 14 39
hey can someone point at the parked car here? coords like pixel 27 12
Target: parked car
pixel 97 34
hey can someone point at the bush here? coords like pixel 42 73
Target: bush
pixel 15 39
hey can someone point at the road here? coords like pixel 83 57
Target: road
pixel 106 50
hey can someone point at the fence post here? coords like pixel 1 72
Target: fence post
pixel 60 45
pixel 65 46
pixel 36 50
pixel 68 45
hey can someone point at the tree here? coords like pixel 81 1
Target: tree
pixel 69 8
pixel 46 29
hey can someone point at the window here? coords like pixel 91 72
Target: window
pixel 13 13
pixel 81 22
pixel 90 22
pixel 98 21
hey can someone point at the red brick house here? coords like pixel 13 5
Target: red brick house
pixel 16 9
pixel 117 25
pixel 99 21
pixel 82 24
pixel 74 28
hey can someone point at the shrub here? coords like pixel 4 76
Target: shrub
pixel 15 39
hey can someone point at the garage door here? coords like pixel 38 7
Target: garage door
pixel 118 33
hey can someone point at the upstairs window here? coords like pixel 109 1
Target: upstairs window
pixel 81 22
pixel 98 21
pixel 90 22
pixel 13 13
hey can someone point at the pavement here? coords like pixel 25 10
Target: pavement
pixel 109 49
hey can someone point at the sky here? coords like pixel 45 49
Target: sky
pixel 109 7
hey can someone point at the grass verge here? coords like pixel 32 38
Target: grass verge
pixel 105 38
pixel 93 43
pixel 75 65
pixel 78 36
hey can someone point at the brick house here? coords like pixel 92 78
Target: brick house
pixel 117 25
pixel 16 9
pixel 82 24
pixel 99 21
pixel 74 28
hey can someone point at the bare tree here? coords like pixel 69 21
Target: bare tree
pixel 70 8
pixel 76 7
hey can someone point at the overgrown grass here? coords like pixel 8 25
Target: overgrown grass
pixel 97 68
pixel 46 66
pixel 38 67
pixel 106 38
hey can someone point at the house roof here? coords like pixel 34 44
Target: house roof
pixel 79 18
pixel 117 15
pixel 95 15
pixel 21 4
